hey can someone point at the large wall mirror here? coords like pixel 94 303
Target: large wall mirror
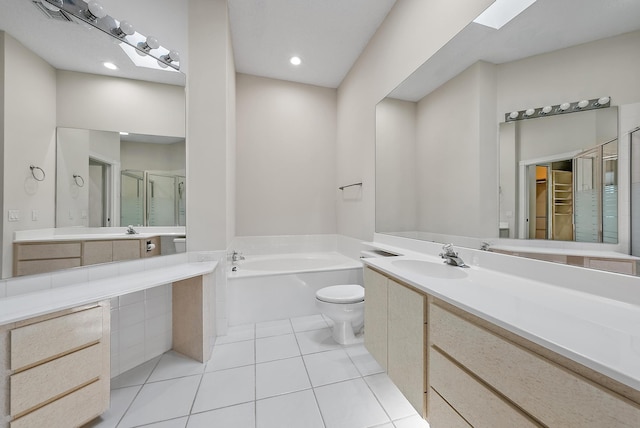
pixel 449 166
pixel 87 129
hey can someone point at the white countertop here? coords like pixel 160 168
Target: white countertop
pixel 598 332
pixel 24 306
pixel 95 233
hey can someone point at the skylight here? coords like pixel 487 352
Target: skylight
pixel 501 12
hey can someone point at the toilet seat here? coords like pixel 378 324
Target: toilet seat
pixel 341 294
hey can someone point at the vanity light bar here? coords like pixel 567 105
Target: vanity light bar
pixel 563 108
pixel 93 14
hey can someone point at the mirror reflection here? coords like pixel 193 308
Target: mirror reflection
pixel 448 168
pixel 54 80
pixel 110 179
pixel 559 177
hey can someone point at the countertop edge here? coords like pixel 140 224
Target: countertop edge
pixel 29 305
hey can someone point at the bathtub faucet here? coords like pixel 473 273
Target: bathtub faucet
pixel 236 256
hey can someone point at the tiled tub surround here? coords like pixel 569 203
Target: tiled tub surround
pixel 243 298
pixel 269 287
pixel 583 319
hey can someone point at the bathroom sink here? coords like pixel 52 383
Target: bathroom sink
pixel 430 269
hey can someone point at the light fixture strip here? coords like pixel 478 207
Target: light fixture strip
pixel 108 25
pixel 563 108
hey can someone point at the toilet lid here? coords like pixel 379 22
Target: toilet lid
pixel 351 293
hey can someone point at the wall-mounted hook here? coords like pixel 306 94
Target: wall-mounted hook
pixel 38 176
pixel 78 180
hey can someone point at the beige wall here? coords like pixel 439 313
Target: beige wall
pixel 210 134
pixel 286 158
pixel 104 103
pixel 457 174
pixel 29 121
pixel 396 166
pixel 412 32
pixel 154 157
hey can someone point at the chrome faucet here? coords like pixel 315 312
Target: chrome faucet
pixel 131 230
pixel 451 257
pixel 236 256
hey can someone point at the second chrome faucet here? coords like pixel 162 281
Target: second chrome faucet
pixel 451 257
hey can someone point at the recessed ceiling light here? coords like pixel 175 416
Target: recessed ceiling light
pixel 110 65
pixel 501 12
pixel 124 133
pixel 295 60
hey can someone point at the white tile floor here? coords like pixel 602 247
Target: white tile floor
pixel 282 374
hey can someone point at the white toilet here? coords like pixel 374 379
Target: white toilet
pixel 344 305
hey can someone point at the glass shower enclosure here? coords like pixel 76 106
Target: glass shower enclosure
pixel 152 198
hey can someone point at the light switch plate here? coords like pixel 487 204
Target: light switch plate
pixel 14 215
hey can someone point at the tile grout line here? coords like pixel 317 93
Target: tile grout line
pixel 313 390
pixel 137 393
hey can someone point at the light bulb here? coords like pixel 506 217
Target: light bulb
pixel 529 112
pixel 604 100
pixel 95 11
pixel 162 64
pixel 514 115
pixel 295 60
pixel 546 109
pixel 172 56
pixel 150 43
pixel 564 106
pixel 125 29
pixel 583 104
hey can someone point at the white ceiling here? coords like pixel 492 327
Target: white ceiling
pixel 546 26
pixel 328 35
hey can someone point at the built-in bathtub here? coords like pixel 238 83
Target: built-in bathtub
pixel 279 286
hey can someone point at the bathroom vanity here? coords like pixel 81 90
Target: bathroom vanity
pixel 55 344
pixel 40 256
pixel 475 347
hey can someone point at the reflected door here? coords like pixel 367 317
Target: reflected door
pixel 132 198
pixel 587 196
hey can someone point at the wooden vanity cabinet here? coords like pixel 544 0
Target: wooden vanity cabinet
pixel 489 380
pixel 395 334
pixel 55 368
pixel 47 256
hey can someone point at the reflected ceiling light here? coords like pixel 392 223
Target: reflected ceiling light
pixel 124 133
pixel 94 15
pixel 110 65
pixel 564 108
pixel 501 12
pixel 295 60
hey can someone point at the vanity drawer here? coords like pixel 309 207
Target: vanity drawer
pixel 476 403
pixel 442 415
pixel 94 252
pixel 126 249
pixel 44 340
pixel 72 410
pixel 31 388
pixel 48 251
pixel 550 393
pixel 32 267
